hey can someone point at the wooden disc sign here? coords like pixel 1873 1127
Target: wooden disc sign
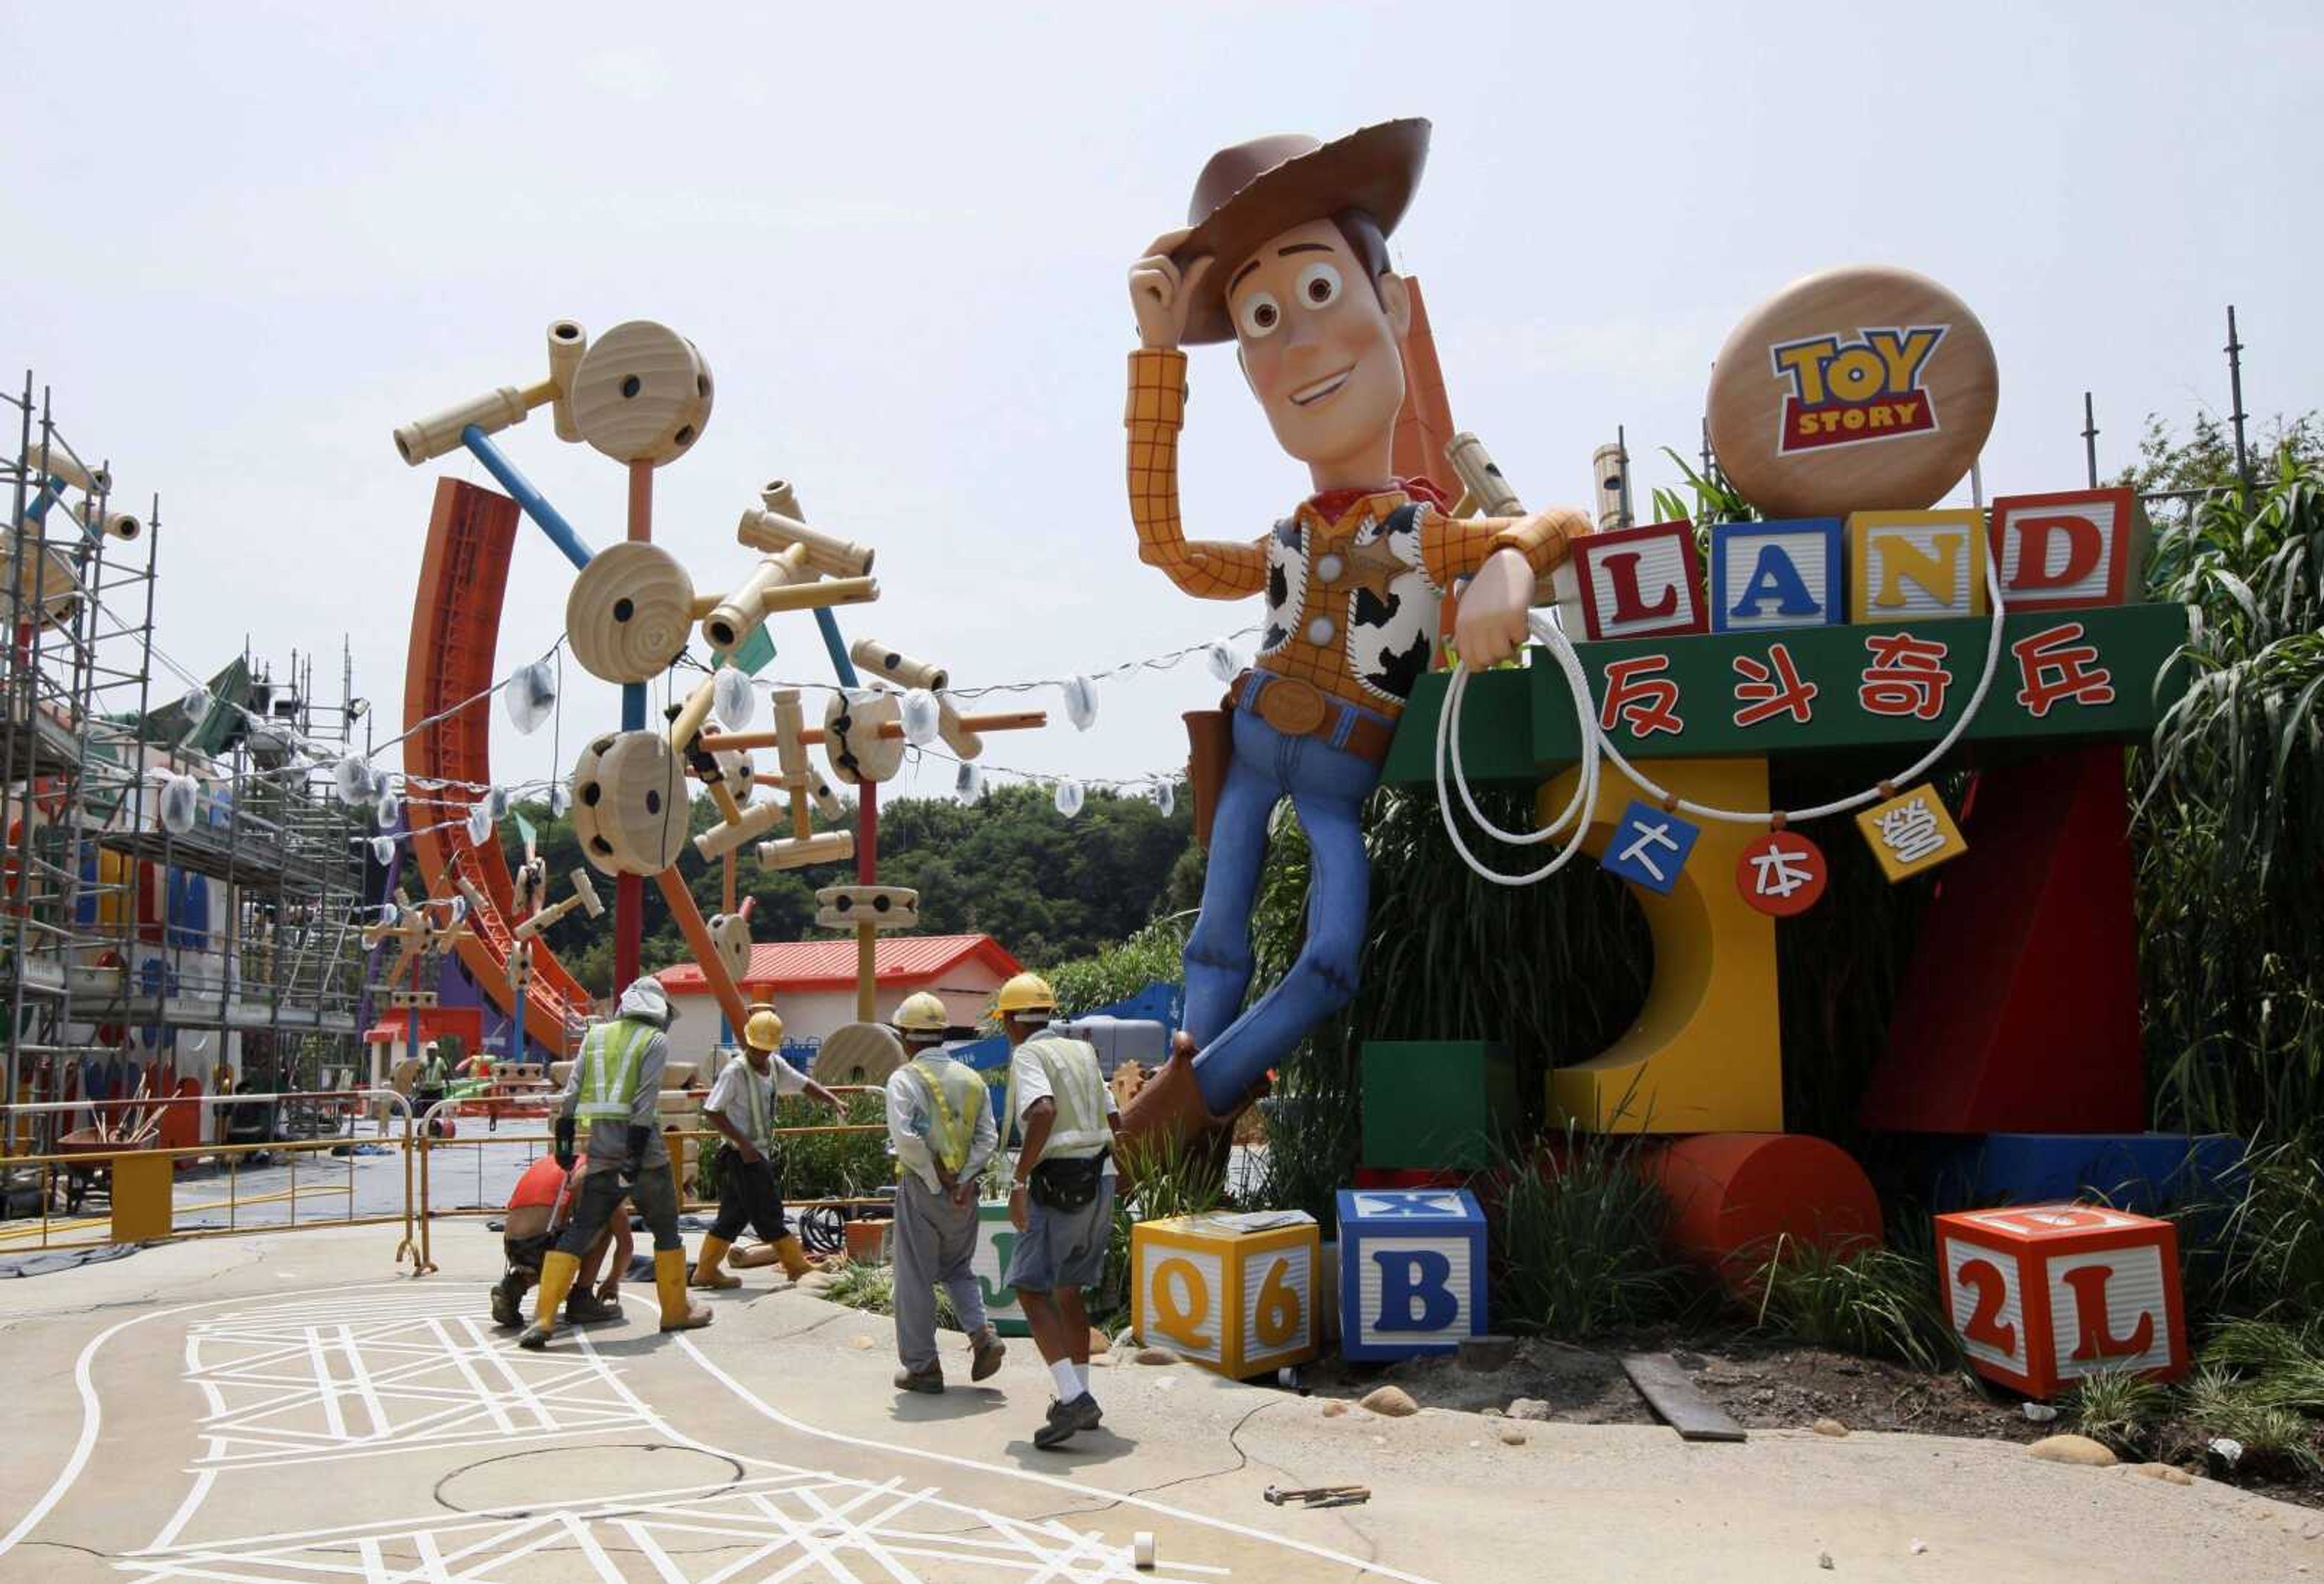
pixel 1865 388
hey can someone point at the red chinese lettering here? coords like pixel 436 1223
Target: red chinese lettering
pixel 2055 665
pixel 1771 688
pixel 1907 676
pixel 1639 696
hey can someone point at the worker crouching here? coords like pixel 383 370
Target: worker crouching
pixel 741 1106
pixel 1061 1200
pixel 940 1126
pixel 615 1087
pixel 539 1211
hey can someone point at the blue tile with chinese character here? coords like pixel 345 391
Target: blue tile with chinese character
pixel 1649 847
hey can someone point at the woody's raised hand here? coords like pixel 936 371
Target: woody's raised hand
pixel 1161 293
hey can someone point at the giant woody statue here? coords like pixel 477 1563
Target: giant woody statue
pixel 1285 255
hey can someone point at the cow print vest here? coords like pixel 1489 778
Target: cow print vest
pixel 1385 641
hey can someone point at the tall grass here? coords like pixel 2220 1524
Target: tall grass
pixel 1581 1233
pixel 2231 848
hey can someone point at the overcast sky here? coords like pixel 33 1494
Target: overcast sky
pixel 247 240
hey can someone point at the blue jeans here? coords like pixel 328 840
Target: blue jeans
pixel 1327 784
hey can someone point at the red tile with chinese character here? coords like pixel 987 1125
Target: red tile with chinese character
pixel 2078 547
pixel 1637 582
pixel 2044 1295
pixel 1781 873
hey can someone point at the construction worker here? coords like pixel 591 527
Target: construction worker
pixel 615 1087
pixel 1061 1198
pixel 940 1127
pixel 542 1203
pixel 427 1089
pixel 741 1106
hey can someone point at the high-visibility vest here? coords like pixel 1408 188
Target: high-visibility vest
pixel 954 1091
pixel 609 1069
pixel 434 1075
pixel 1077 1087
pixel 755 1120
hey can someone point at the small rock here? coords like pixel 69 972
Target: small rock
pixel 1475 1444
pixel 860 1344
pixel 1167 1382
pixel 1334 1409
pixel 1490 1413
pixel 1513 1437
pixel 1764 1394
pixel 1830 1427
pixel 1529 1408
pixel 1919 1547
pixel 1392 1403
pixel 1486 1353
pixel 2078 1450
pixel 1823 1561
pixel 1155 1356
pixel 2039 1413
pixel 1098 1343
pixel 2163 1472
pixel 2228 1450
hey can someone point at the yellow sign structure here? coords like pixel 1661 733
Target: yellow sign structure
pixel 1911 832
pixel 1234 1294
pixel 1706 1053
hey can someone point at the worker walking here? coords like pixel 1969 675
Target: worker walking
pixel 1061 1198
pixel 940 1127
pixel 615 1087
pixel 741 1106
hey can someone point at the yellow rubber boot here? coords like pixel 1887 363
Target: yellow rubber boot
pixel 706 1273
pixel 796 1262
pixel 557 1273
pixel 678 1312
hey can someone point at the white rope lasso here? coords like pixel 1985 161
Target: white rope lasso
pixel 1594 744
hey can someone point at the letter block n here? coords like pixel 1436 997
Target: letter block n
pixel 1412 1271
pixel 2042 1295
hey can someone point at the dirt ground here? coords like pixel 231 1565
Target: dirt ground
pixel 1763 1385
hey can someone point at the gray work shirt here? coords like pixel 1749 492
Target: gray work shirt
pixel 610 1141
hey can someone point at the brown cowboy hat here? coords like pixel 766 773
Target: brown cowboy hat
pixel 1260 188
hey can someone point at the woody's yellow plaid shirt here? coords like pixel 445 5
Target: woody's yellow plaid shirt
pixel 1450 547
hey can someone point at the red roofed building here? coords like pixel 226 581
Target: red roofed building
pixel 813 984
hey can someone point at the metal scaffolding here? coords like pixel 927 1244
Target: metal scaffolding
pixel 134 956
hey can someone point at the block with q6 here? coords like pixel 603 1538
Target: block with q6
pixel 1437 1105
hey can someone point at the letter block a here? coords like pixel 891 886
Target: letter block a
pixel 1634 583
pixel 2071 551
pixel 1776 575
pixel 1232 1293
pixel 1412 1271
pixel 2042 1295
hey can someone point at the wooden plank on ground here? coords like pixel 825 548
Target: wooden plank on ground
pixel 1670 1395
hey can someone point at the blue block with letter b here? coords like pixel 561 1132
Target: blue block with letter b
pixel 1412 1271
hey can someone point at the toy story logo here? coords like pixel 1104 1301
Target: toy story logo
pixel 1850 392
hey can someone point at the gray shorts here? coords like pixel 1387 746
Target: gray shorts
pixel 1063 1248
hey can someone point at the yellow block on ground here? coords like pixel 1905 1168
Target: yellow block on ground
pixel 1235 1293
pixel 143 1182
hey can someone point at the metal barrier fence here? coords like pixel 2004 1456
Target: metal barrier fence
pixel 257 1187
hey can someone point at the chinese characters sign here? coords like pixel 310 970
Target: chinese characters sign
pixel 1911 832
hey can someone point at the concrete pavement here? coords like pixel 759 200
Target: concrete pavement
pixel 293 1407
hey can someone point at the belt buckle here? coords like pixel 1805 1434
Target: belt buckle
pixel 1291 707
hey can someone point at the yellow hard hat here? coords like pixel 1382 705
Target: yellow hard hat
pixel 764 1031
pixel 1028 993
pixel 922 1013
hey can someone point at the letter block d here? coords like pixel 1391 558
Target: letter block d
pixel 2041 1295
pixel 2060 552
pixel 1234 1294
pixel 1412 1271
pixel 1635 583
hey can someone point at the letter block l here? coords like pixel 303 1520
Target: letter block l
pixel 2044 1295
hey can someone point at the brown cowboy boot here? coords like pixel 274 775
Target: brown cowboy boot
pixel 1169 1113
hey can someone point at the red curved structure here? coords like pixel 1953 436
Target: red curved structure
pixel 455 629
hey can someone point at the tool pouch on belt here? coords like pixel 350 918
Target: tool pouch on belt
pixel 1068 1185
pixel 1210 746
